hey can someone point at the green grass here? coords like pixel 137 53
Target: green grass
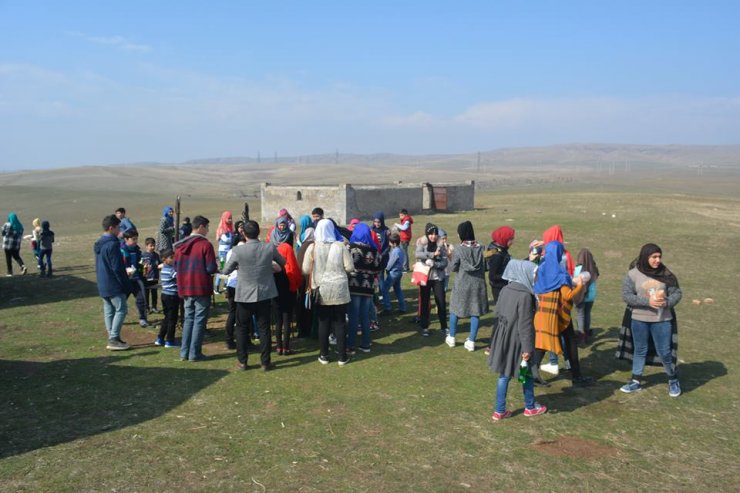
pixel 413 415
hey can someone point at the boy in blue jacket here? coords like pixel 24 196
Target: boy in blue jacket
pixel 113 283
pixel 133 261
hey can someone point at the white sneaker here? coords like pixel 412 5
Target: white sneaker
pixel 550 368
pixel 469 345
pixel 450 341
pixel 566 364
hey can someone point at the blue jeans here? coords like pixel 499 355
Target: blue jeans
pixel 393 280
pixel 194 326
pixel 661 334
pixel 115 309
pixel 474 321
pixel 359 313
pixel 503 386
pixel 43 266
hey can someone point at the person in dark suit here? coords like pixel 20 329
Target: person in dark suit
pixel 254 262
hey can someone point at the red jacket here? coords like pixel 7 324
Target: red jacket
pixel 195 263
pixel 406 235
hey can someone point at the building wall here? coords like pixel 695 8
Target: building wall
pixel 330 198
pixel 363 201
pixel 343 202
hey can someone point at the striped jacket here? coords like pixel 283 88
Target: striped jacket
pixel 553 317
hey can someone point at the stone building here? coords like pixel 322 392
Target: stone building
pixel 343 202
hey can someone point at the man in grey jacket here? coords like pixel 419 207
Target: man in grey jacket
pixel 255 288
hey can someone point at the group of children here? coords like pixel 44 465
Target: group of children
pixel 147 271
pixel 42 244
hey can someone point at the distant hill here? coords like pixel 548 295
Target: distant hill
pixel 241 176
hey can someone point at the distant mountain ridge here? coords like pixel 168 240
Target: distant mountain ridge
pixel 573 154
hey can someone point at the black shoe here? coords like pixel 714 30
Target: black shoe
pixel 231 345
pixel 268 367
pixel 241 366
pixel 200 357
pixel 582 381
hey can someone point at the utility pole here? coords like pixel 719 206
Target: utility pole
pixel 259 158
pixel 478 168
pixel 276 156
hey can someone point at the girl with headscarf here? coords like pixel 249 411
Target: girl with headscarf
pixel 166 231
pixel 362 282
pixel 584 303
pixel 305 223
pixel 433 253
pixel 305 314
pixel 513 337
pixel 287 281
pixel 12 236
pixel 650 291
pixel 225 238
pixel 327 263
pixel 497 256
pixel 281 232
pixel 555 290
pixel 286 215
pixel 555 233
pixel 469 297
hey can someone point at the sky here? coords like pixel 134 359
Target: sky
pixel 91 82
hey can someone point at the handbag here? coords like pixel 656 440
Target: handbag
pixel 420 275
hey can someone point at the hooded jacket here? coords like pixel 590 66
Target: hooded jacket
pixel 109 269
pixel 195 262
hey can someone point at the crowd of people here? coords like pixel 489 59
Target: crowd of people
pixel 331 282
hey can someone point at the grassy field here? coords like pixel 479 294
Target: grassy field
pixel 413 415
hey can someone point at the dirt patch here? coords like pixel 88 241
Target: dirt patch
pixel 575 447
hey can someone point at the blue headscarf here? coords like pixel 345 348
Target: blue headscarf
pixel 305 223
pixel 551 275
pixel 362 234
pixel 15 224
pixel 166 215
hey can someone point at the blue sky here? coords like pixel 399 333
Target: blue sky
pixel 112 82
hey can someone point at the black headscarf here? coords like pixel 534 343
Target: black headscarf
pixel 465 231
pixel 662 273
pixel 431 229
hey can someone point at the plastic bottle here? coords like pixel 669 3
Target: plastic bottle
pixel 524 372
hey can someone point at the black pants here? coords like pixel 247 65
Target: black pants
pixel 332 319
pixel 425 293
pixel 283 320
pixel 151 294
pixel 231 317
pixel 13 254
pixel 304 316
pixel 170 307
pixel 244 312
pixel 570 350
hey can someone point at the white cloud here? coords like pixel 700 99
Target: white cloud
pixel 118 41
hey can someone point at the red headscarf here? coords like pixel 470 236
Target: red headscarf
pixel 502 236
pixel 224 226
pixel 554 233
pixel 295 277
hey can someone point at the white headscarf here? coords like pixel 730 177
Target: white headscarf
pixel 521 272
pixel 325 232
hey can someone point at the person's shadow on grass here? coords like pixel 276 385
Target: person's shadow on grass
pixel 45 404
